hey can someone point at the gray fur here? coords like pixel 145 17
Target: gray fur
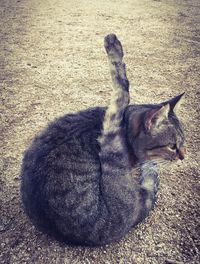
pixel 78 181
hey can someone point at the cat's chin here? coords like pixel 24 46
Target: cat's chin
pixel 169 161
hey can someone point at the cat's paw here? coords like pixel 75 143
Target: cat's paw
pixel 113 48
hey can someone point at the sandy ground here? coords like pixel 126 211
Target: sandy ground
pixel 52 62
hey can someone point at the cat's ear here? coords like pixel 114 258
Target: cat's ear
pixel 176 102
pixel 155 116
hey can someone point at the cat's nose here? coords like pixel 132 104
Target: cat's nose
pixel 181 153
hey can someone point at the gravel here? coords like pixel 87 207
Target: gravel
pixel 53 62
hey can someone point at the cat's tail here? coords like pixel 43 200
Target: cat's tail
pixel 120 98
pixel 115 55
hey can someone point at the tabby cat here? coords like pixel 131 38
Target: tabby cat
pixel 78 176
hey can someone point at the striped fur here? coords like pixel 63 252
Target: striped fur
pixel 78 176
pixel 120 97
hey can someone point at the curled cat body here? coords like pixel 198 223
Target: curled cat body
pixel 78 175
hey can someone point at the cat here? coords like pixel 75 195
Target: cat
pixel 78 176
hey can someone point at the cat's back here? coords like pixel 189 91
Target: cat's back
pixel 61 162
pixel 71 129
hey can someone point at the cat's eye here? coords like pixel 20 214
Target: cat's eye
pixel 172 146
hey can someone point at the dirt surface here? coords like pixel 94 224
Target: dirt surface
pixel 53 62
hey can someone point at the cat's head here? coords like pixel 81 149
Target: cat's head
pixel 155 132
